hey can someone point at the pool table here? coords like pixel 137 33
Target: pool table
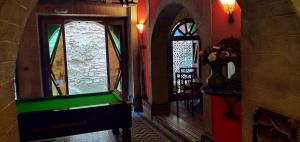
pixel 68 115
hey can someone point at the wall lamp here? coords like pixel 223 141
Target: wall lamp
pixel 229 6
pixel 140 27
pixel 124 3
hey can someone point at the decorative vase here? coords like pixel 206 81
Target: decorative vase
pixel 217 80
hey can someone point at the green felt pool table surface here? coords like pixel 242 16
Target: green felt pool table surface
pixel 65 102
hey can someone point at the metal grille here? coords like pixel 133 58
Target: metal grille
pixel 182 55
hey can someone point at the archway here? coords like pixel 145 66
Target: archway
pixel 184 44
pixel 159 52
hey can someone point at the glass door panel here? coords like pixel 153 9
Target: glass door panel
pixel 56 52
pixel 86 57
pixel 114 48
pixel 81 57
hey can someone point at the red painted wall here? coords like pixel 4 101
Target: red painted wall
pixel 220 27
pixel 153 6
pixel 225 130
pixel 141 8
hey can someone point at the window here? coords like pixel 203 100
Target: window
pixel 184 28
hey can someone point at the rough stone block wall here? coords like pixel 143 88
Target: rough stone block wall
pixel 270 60
pixel 86 57
pixel 13 14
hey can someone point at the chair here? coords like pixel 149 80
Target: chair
pixel 189 69
pixel 185 90
pixel 196 83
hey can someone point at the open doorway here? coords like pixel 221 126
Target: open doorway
pixel 185 44
pixel 81 56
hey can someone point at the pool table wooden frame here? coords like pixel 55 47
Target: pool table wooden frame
pixel 56 123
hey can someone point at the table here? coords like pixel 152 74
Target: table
pixel 68 115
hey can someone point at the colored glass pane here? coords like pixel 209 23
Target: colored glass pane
pixel 114 63
pixel 58 67
pixel 114 54
pixel 116 36
pixel 189 26
pixel 54 90
pixel 177 33
pixel 120 86
pixel 183 29
pixel 194 30
pixel 53 36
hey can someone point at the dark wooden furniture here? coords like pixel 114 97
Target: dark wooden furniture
pixel 68 115
pixel 192 70
pixel 186 90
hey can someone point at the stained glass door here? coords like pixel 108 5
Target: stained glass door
pixel 82 56
pixel 56 50
pixel 115 58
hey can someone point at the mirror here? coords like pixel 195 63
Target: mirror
pixel 228 70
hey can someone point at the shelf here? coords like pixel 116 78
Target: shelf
pixel 221 92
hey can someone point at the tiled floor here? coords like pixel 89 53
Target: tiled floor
pixel 142 131
pixel 186 115
pixel 185 124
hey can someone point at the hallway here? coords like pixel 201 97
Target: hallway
pixel 142 131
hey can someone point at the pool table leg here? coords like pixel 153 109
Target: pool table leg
pixel 115 131
pixel 126 135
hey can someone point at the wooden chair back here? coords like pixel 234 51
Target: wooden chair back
pixel 183 81
pixel 192 70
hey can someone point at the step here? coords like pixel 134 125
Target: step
pixel 182 129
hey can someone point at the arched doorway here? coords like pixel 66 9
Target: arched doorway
pixel 185 44
pixel 160 65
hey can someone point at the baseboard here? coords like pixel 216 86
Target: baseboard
pixel 155 109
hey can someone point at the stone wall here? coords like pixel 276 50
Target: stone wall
pixel 13 15
pixel 86 57
pixel 270 60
